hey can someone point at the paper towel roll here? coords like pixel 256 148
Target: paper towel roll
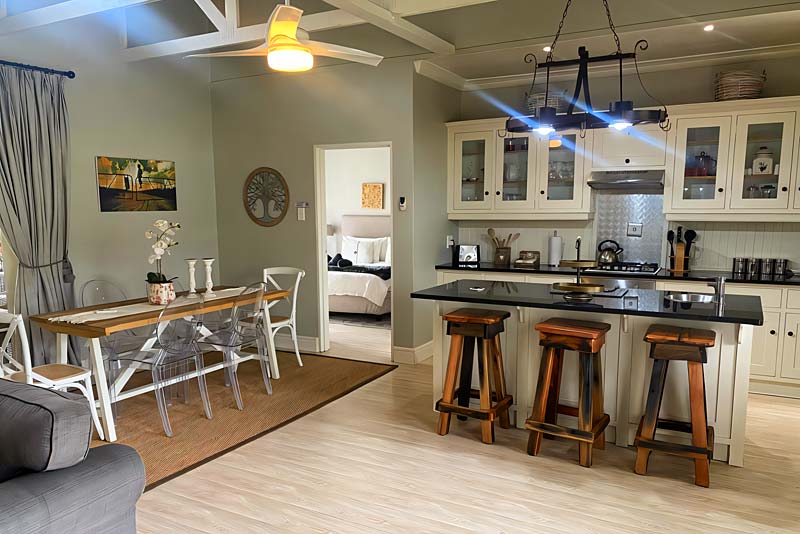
pixel 554 250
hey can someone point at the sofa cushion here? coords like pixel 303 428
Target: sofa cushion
pixel 46 429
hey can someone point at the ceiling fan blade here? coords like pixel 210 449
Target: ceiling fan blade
pixel 283 21
pixel 342 52
pixel 260 50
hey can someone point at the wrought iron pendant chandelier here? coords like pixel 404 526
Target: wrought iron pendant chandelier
pixel 621 114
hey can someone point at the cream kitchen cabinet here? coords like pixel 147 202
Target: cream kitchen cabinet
pixel 497 175
pixel 633 148
pixel 700 172
pixel 790 366
pixel 766 345
pixel 762 160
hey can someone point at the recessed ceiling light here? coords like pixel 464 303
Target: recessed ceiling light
pixel 547 49
pixel 708 28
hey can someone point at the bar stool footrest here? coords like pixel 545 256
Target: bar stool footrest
pixel 476 394
pixel 475 413
pixel 570 433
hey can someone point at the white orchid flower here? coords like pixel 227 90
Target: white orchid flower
pixel 149 234
pixel 160 244
pixel 158 251
pixel 152 259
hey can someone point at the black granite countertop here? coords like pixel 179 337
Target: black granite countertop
pixel 738 309
pixel 692 276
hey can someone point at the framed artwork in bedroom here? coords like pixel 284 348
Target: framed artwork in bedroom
pixel 372 196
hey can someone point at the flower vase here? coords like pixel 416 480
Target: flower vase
pixel 161 293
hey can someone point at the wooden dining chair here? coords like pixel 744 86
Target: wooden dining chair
pixel 58 376
pixel 274 323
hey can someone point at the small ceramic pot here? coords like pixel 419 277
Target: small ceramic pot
pixel 161 293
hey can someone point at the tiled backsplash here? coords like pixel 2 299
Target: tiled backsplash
pixel 533 236
pixel 717 243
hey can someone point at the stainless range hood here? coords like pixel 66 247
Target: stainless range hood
pixel 633 181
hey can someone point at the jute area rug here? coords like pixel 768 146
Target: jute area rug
pixel 197 440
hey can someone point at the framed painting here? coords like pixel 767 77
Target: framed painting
pixel 130 184
pixel 372 196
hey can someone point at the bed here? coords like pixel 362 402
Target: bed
pixel 366 287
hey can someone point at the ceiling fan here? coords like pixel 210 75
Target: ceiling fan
pixel 288 48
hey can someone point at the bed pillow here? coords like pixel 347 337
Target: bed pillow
pixel 387 255
pixel 361 251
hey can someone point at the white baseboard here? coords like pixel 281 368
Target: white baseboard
pixel 283 341
pixel 414 355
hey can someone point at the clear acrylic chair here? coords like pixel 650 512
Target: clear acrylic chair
pixel 290 277
pixel 98 291
pixel 51 376
pixel 243 328
pixel 178 331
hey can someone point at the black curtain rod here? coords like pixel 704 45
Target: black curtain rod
pixel 68 73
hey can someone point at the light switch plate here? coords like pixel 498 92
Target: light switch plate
pixel 634 229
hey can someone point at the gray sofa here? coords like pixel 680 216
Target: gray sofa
pixel 50 480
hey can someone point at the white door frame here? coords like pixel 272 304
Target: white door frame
pixel 322 234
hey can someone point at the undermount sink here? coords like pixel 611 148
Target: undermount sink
pixel 690 297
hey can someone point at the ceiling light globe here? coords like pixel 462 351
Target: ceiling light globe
pixel 545 129
pixel 620 125
pixel 290 59
pixel 547 48
pixel 708 28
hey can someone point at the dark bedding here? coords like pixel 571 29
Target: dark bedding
pixel 383 272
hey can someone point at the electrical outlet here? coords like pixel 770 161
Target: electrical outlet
pixel 634 229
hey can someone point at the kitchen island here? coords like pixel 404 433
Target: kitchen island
pixel 625 355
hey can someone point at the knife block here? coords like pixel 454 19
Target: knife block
pixel 679 263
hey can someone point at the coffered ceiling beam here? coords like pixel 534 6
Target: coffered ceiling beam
pixel 213 13
pixel 70 9
pixel 393 23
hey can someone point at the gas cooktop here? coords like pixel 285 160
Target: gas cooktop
pixel 626 267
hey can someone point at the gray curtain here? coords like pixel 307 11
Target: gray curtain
pixel 34 175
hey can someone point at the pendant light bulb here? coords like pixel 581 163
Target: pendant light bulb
pixel 286 54
pixel 546 117
pixel 620 125
pixel 545 129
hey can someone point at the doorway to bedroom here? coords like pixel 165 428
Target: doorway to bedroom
pixel 355 233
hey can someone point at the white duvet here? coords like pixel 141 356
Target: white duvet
pixel 364 285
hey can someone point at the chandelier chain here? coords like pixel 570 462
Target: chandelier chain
pixel 611 26
pixel 558 31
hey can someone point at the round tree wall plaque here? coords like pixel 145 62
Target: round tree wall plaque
pixel 266 196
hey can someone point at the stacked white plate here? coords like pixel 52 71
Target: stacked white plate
pixel 738 84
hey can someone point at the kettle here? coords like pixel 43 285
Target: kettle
pixel 611 254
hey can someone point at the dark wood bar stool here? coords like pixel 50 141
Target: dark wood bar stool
pixel 587 338
pixel 466 326
pixel 689 345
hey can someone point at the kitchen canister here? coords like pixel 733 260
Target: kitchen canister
pixel 554 249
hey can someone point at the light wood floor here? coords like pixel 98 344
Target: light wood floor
pixel 360 343
pixel 371 463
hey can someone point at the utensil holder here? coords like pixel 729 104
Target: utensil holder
pixel 502 256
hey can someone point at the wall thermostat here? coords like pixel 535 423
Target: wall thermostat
pixel 402 203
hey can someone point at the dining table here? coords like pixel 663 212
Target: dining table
pixel 91 323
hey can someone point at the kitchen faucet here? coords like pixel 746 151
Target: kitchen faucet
pixel 719 292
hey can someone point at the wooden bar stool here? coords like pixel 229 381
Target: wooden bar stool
pixel 556 336
pixel 689 345
pixel 465 326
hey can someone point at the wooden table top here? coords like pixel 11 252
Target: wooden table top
pixel 106 327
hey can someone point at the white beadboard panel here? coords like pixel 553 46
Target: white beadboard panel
pixel 719 242
pixel 533 236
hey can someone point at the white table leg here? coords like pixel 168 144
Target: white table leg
pixel 103 397
pixel 61 347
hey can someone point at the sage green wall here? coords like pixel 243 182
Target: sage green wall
pixel 276 120
pixel 434 105
pixel 158 109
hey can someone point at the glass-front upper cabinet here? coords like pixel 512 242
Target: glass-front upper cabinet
pixel 516 156
pixel 762 160
pixel 701 161
pixel 474 170
pixel 561 171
